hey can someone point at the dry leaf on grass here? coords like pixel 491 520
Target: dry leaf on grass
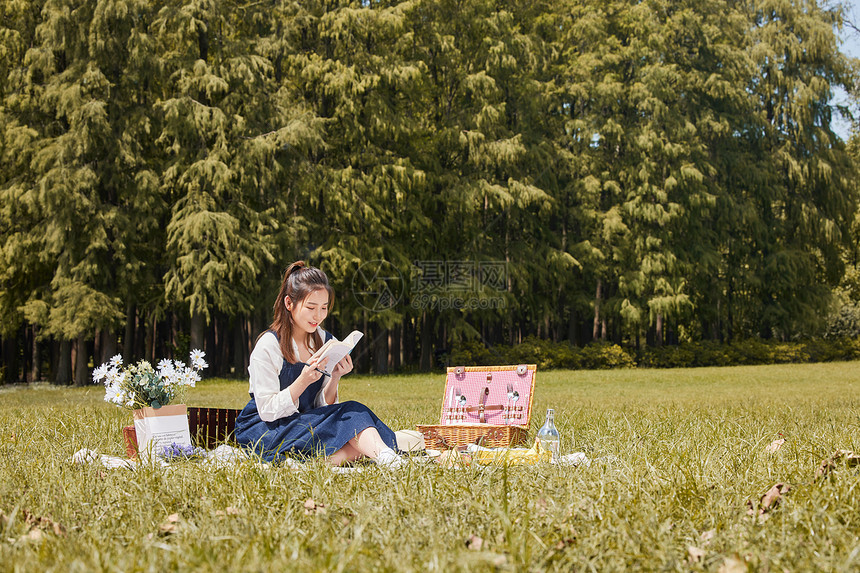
pixel 38 526
pixel 222 513
pixel 695 554
pixel 541 506
pixel 474 543
pixel 33 535
pixel 707 536
pixel 312 507
pixel 171 525
pixel 829 464
pixel 732 565
pixel 767 502
pixel 774 446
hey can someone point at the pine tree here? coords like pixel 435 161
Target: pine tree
pixel 76 134
pixel 220 134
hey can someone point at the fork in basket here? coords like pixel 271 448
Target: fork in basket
pixel 461 399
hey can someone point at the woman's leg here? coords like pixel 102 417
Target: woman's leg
pixel 368 443
pixel 347 453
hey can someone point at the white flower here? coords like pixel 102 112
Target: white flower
pixel 111 376
pixel 195 378
pixel 137 384
pixel 116 377
pixel 197 361
pixel 100 373
pixel 111 393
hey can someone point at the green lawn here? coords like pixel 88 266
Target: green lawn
pixel 676 456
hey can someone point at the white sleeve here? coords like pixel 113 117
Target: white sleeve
pixel 266 364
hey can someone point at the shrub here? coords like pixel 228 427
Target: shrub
pixel 604 355
pixel 844 322
pixel 831 350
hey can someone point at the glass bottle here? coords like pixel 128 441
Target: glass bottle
pixel 548 435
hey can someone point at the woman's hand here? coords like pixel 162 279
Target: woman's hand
pixel 309 373
pixel 342 367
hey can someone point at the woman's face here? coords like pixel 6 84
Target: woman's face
pixel 310 312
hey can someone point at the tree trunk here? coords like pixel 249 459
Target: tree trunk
pixel 394 343
pixel 361 361
pixel 426 344
pixel 596 328
pixel 128 338
pixel 658 327
pixel 82 356
pixel 573 328
pixel 149 337
pixel 108 346
pixel 239 346
pixel 10 359
pixel 64 364
pixel 380 351
pixel 210 345
pixel 198 331
pixel 140 340
pixel 409 342
pixel 35 362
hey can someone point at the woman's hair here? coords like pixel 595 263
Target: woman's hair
pixel 299 281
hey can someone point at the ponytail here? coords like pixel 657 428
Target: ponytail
pixel 299 281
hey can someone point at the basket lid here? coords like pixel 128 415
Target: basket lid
pixel 500 395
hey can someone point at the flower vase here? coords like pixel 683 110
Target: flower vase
pixel 157 428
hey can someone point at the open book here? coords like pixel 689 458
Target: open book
pixel 335 349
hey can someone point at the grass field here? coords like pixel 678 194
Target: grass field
pixel 677 454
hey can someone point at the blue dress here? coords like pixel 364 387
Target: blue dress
pixel 310 431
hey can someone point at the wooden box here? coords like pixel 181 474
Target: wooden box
pixel 486 405
pixel 208 427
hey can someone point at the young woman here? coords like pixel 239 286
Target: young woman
pixel 293 407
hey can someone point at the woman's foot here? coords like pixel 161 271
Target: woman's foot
pixel 389 459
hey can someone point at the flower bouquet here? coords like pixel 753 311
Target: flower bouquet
pixel 179 452
pixel 151 394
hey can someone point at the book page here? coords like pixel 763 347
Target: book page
pixel 335 350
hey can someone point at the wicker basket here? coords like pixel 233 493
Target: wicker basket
pixel 439 437
pixel 487 416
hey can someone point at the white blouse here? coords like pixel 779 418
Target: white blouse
pixel 266 364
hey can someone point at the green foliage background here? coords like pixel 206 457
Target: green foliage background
pixel 647 172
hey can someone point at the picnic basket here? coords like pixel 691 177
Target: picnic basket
pixel 485 405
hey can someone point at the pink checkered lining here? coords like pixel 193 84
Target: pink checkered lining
pixel 473 385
